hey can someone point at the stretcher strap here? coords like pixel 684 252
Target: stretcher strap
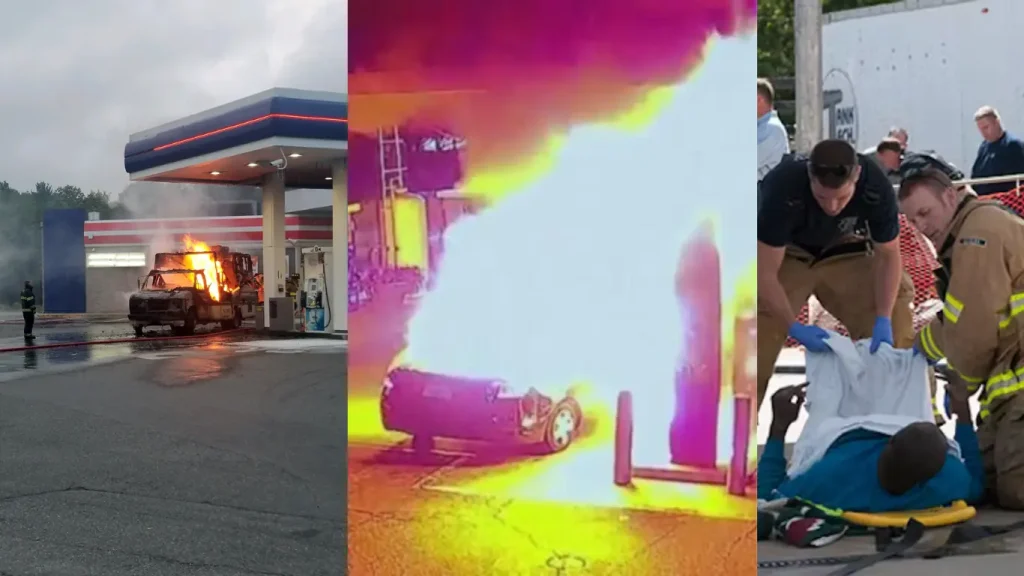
pixel 969 533
pixel 890 548
pixel 957 544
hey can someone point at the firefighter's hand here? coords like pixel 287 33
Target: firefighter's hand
pixel 881 333
pixel 810 337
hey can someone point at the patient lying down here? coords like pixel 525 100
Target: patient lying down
pixel 868 471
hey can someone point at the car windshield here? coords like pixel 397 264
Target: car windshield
pixel 171 280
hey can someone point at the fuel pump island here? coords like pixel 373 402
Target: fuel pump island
pixel 315 297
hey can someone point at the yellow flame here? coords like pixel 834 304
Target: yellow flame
pixel 206 262
pixel 495 183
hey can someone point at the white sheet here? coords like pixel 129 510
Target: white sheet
pixel 852 389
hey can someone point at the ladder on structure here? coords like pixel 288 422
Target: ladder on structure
pixel 392 178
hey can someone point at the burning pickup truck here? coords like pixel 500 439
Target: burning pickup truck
pixel 199 286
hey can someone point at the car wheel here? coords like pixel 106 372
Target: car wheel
pixel 422 444
pixel 561 427
pixel 138 330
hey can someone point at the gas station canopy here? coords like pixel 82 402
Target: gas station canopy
pixel 278 140
pixel 238 143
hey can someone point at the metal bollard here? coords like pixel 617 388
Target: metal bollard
pixel 623 465
pixel 743 413
pixel 744 389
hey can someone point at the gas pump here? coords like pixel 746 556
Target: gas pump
pixel 315 297
pixel 694 430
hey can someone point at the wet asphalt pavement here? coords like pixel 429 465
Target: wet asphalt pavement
pixel 54 331
pixel 220 456
pixel 49 333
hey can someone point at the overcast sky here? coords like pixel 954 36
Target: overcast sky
pixel 78 76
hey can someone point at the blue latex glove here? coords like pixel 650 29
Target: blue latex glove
pixel 810 337
pixel 881 333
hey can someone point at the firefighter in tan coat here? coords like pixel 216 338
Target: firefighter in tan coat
pixel 980 331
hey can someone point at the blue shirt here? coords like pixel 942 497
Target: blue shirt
pixel 1004 157
pixel 772 143
pixel 846 478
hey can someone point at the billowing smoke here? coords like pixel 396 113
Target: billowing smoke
pixel 510 93
pixel 15 249
pixel 160 200
pixel 572 278
pixel 164 200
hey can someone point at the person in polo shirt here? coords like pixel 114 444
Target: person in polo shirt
pixel 829 227
pixel 772 138
pixel 899 134
pixel 1000 153
pixel 889 154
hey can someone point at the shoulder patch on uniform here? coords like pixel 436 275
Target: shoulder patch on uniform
pixel 971 241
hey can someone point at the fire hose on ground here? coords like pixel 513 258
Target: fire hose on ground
pixel 128 340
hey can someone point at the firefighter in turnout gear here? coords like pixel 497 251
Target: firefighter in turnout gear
pixel 980 330
pixel 28 309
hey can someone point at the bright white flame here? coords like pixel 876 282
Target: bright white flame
pixel 573 278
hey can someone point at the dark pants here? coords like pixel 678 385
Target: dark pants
pixel 30 320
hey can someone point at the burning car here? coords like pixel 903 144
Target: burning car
pixel 179 298
pixel 202 285
pixel 428 405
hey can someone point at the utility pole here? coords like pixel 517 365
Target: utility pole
pixel 807 21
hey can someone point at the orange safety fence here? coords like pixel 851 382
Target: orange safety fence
pixel 919 262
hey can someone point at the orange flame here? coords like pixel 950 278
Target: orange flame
pixel 205 262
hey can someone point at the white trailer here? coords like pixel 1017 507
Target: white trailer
pixel 925 65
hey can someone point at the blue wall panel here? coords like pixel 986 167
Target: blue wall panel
pixel 64 261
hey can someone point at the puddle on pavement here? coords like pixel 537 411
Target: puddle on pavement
pixel 42 359
pixel 188 371
pixel 54 357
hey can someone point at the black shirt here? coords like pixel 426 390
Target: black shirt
pixel 790 216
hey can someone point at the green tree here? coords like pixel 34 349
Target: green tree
pixel 21 216
pixel 775 32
